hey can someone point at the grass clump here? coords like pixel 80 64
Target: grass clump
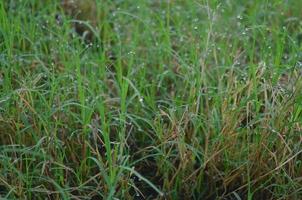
pixel 198 100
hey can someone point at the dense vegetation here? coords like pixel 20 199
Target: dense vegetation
pixel 174 99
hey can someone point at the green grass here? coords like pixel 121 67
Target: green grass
pixel 202 101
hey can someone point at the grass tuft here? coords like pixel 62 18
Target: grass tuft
pixel 170 100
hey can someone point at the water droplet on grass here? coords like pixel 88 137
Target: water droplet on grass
pixel 239 17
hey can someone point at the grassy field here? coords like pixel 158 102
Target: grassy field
pixel 174 99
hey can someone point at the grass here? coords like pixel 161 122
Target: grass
pixel 202 101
